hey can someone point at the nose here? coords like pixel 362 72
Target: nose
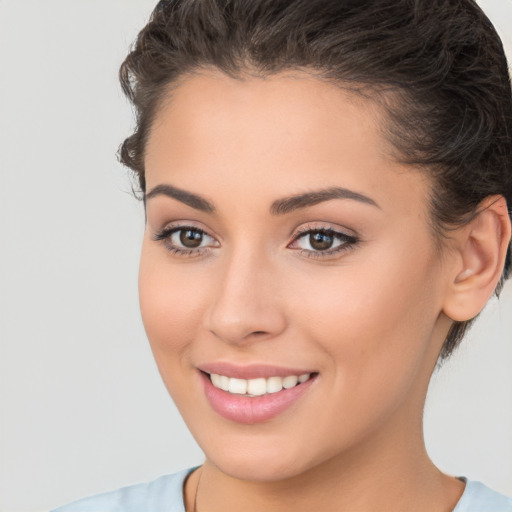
pixel 247 304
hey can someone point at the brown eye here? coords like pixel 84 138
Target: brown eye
pixel 191 238
pixel 321 240
pixel 186 240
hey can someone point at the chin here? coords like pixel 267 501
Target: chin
pixel 262 458
pixel 258 469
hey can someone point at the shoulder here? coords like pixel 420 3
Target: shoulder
pixel 164 494
pixel 477 497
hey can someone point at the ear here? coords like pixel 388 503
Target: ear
pixel 479 257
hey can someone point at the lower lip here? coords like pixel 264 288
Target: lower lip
pixel 250 410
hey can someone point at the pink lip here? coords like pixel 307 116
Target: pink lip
pixel 253 371
pixel 249 410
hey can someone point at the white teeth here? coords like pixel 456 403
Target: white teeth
pixel 257 387
pixel 274 384
pixel 215 380
pixel 238 386
pixel 290 381
pixel 224 383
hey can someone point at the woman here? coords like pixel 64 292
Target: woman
pixel 327 187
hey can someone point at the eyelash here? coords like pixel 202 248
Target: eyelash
pixel 348 242
pixel 165 237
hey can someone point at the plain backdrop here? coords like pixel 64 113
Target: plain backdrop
pixel 82 408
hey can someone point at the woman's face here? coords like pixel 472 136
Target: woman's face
pixel 283 241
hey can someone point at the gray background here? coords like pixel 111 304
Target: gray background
pixel 82 408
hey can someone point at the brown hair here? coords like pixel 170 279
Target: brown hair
pixel 440 61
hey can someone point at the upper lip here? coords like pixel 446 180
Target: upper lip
pixel 250 371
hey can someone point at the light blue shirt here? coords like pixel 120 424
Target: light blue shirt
pixel 166 495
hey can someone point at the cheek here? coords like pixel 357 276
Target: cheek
pixel 362 305
pixel 171 305
pixel 374 320
pixel 375 341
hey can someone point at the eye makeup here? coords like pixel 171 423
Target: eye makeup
pixel 310 241
pixel 191 239
pixel 325 242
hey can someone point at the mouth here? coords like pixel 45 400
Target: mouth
pixel 257 399
pixel 259 386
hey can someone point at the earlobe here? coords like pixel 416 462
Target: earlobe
pixel 480 257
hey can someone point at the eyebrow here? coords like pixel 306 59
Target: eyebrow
pixel 289 204
pixel 188 198
pixel 278 207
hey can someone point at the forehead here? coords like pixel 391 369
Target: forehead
pixel 286 133
pixel 292 106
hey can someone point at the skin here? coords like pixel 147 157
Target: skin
pixel 369 319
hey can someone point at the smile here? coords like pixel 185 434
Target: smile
pixel 257 387
pixel 258 399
